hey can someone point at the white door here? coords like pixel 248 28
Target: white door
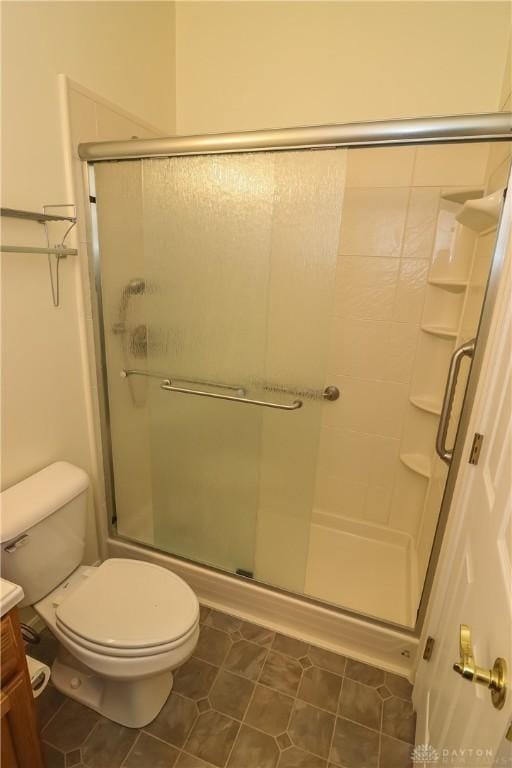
pixel 457 723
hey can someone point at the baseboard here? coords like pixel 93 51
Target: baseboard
pixel 384 647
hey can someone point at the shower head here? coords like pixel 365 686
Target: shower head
pixel 135 286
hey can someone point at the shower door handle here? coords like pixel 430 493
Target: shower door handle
pixel 168 386
pixel 466 350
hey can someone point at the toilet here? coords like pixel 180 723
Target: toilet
pixel 122 626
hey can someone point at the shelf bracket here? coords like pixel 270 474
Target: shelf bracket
pixel 54 269
pixel 59 250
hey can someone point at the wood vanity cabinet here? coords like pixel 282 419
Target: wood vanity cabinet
pixel 21 745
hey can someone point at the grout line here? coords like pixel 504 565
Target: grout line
pixel 45 726
pixel 125 758
pixel 380 729
pixel 256 682
pixel 222 667
pixel 96 724
pixel 47 740
pixel 159 738
pixel 338 703
pixel 267 651
pixel 361 725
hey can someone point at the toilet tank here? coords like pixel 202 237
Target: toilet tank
pixel 42 529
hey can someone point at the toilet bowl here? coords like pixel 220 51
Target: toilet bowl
pixel 122 626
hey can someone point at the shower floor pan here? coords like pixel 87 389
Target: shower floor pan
pixel 363 567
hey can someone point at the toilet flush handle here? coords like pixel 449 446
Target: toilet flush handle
pixel 17 544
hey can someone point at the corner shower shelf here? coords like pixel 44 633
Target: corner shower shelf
pixel 440 330
pixel 450 285
pixel 426 404
pixel 461 194
pixel 420 464
pixel 482 214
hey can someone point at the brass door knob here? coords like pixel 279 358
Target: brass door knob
pixel 494 679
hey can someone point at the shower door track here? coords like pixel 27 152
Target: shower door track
pixel 494 126
pixel 437 130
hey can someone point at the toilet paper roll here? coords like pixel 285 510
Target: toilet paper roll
pixel 39 675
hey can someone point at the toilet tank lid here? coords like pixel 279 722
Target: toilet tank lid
pixel 31 500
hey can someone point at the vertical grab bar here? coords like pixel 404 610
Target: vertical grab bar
pixel 465 350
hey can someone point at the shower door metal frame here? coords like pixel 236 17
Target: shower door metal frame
pixel 437 130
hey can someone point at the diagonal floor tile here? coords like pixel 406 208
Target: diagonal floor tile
pixel 297 758
pixel 354 746
pixel 48 703
pixel 364 673
pixel 281 672
pixel 311 728
pixel 333 662
pixel 230 694
pixel 269 710
pixel 53 758
pixel 398 719
pixel 257 634
pixel 320 688
pixel 195 678
pixel 399 686
pixel 175 720
pixel 394 753
pixel 70 726
pixel 223 621
pixel 246 659
pixel 108 745
pixel 149 752
pixel 290 646
pixel 73 758
pixel 360 703
pixel 253 749
pixel 212 737
pixel 190 761
pixel 241 671
pixel 212 646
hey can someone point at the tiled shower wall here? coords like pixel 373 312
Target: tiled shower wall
pixel 386 241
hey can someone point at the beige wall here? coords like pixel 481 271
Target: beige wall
pixel 248 65
pixel 125 52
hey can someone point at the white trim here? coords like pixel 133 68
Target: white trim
pixel 328 628
pixel 74 86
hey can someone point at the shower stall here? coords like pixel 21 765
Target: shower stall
pixel 286 323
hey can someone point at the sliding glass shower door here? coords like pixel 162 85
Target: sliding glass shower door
pixel 278 329
pixel 217 279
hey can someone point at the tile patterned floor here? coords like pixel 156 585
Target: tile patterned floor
pixel 248 698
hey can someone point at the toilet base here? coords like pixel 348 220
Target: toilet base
pixel 133 703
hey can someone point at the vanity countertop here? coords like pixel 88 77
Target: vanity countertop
pixel 10 595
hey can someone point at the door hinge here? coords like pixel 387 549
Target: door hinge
pixel 476 448
pixel 429 647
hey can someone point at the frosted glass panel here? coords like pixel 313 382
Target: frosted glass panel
pixel 222 281
pixel 270 277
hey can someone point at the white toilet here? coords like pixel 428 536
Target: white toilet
pixel 123 626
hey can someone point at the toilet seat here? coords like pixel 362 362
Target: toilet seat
pixel 128 653
pixel 128 608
